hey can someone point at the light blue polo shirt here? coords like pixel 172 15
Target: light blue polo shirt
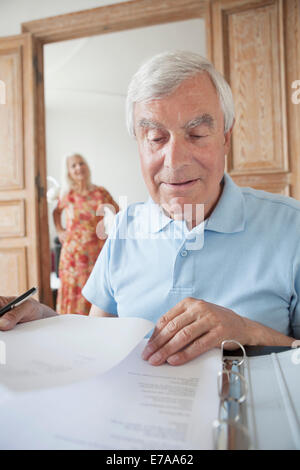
pixel 245 256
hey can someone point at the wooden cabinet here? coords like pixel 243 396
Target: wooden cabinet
pixel 251 45
pixel 19 246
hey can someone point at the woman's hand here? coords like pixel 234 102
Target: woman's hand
pixel 62 235
pixel 101 230
pixel 27 311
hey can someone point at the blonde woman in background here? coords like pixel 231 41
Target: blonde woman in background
pixel 80 244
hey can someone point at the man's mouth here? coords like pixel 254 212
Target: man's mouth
pixel 180 184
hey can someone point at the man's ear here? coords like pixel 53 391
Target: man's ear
pixel 227 138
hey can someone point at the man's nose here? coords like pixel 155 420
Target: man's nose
pixel 176 153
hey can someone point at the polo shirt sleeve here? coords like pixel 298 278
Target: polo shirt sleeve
pixel 98 290
pixel 295 312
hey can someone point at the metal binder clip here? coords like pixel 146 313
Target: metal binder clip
pixel 239 363
pixel 232 386
pixel 229 431
pixel 230 436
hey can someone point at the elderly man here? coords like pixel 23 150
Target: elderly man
pixel 226 268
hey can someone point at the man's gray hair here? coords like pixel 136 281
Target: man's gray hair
pixel 163 73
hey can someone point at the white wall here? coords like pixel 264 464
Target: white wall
pixel 94 126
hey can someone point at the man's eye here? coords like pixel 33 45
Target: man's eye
pixel 155 139
pixel 197 136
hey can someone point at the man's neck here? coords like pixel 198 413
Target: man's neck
pixel 195 214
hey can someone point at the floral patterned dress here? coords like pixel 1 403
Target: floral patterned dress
pixel 81 246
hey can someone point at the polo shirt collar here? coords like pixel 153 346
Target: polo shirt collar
pixel 156 219
pixel 227 217
pixel 229 214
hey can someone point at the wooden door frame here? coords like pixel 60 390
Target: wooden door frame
pixel 101 20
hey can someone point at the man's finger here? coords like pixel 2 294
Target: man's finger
pixel 171 329
pixel 27 311
pixel 201 345
pixel 10 319
pixel 181 340
pixel 164 320
pixel 179 308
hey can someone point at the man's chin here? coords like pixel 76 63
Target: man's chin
pixel 179 208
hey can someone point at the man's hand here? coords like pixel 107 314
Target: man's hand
pixel 28 311
pixel 194 326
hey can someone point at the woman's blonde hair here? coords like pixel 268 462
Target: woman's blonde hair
pixel 67 182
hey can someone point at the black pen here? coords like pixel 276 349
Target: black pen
pixel 19 300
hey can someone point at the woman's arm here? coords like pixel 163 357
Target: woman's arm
pixel 116 206
pixel 61 232
pixel 109 200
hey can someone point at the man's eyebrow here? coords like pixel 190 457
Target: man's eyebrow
pixel 150 124
pixel 203 119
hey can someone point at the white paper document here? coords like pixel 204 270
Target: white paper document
pixel 131 406
pixel 66 348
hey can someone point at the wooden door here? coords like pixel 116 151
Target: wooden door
pixel 254 44
pixel 19 198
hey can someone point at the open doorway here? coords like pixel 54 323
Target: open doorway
pixel 86 82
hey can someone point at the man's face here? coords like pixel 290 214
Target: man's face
pixel 182 145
